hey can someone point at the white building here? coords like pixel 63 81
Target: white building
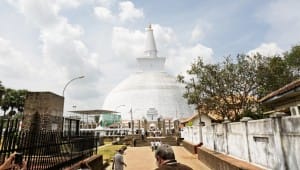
pixel 150 92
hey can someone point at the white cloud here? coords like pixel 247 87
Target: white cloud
pixel 41 13
pixel 283 18
pixel 129 44
pixel 103 13
pixel 12 60
pixel 165 37
pixel 128 12
pixel 106 3
pixel 64 53
pixel 181 58
pixel 267 49
pixel 200 30
pixel 33 72
pixel 197 33
pixel 70 3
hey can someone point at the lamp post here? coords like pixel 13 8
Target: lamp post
pixel 80 77
pixel 63 93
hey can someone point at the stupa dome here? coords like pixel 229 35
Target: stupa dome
pixel 151 92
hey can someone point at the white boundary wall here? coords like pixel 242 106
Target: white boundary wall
pixel 272 143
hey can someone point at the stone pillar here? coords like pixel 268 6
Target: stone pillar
pixel 164 127
pixel 245 138
pixel 277 129
pixel 176 128
pixel 145 125
pixel 169 126
pixel 139 123
pixel 132 127
pixel 158 123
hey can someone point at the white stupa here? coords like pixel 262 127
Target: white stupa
pixel 150 93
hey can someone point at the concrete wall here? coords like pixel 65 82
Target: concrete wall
pixel 272 143
pixel 50 109
pixel 191 133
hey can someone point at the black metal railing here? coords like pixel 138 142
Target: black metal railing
pixel 44 149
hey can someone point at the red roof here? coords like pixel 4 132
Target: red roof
pixel 282 90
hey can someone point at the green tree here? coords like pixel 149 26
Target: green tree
pixel 20 100
pixel 231 88
pixel 2 91
pixel 226 88
pixel 292 58
pixel 13 101
pixel 273 73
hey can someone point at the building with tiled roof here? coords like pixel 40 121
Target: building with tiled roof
pixel 285 99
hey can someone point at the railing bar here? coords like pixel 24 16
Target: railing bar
pixel 44 145
pixel 39 150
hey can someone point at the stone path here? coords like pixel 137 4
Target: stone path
pixel 142 158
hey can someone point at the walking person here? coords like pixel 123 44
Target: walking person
pixel 156 144
pixel 165 159
pixel 152 145
pixel 118 161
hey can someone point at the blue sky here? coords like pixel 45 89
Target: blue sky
pixel 43 44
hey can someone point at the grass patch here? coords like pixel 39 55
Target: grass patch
pixel 108 151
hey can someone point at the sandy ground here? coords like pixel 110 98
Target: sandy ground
pixel 142 158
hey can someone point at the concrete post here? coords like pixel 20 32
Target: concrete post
pixel 225 125
pixel 214 136
pixel 169 126
pixel 145 124
pixel 276 123
pixel 132 127
pixel 139 123
pixel 245 138
pixel 164 127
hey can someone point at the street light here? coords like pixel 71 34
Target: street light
pixel 63 93
pixel 80 77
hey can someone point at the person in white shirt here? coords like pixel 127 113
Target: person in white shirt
pixel 152 145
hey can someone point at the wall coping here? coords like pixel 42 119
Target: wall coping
pixel 233 163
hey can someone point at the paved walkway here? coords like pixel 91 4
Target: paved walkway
pixel 142 158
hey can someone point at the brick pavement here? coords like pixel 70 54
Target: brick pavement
pixel 142 158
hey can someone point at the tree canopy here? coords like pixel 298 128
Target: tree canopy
pixel 232 87
pixel 12 101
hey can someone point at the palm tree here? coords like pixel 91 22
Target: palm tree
pixel 13 100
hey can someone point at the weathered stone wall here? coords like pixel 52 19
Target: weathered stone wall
pixel 50 108
pixel 272 143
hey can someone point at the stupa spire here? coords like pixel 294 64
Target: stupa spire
pixel 150 46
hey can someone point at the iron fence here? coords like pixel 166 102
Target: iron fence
pixel 44 149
